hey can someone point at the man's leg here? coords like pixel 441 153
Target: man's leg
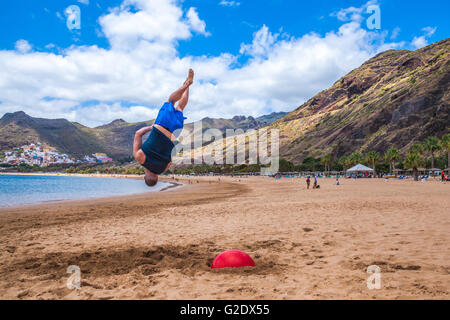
pixel 183 101
pixel 177 95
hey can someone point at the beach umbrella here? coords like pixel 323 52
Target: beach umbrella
pixel 232 259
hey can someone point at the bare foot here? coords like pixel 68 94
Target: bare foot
pixel 190 78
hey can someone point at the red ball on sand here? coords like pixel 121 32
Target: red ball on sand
pixel 233 259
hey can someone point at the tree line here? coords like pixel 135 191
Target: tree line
pixel 419 155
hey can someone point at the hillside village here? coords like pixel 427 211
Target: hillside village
pixel 40 155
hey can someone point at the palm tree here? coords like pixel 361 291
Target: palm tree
pixel 349 162
pixel 431 145
pixel 355 158
pixel 445 145
pixel 416 148
pixel 392 155
pixel 372 157
pixel 414 160
pixel 343 161
pixel 326 160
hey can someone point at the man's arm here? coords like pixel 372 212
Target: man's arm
pixel 137 144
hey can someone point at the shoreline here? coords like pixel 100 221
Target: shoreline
pixel 61 174
pixel 172 186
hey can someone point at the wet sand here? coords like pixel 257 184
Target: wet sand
pixel 307 244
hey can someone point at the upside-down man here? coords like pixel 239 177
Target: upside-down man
pixel 155 155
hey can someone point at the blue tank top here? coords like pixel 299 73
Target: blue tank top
pixel 158 151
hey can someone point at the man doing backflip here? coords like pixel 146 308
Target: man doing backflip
pixel 155 154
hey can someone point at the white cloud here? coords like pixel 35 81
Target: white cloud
pixel 104 113
pixel 395 33
pixel 422 41
pixel 143 66
pixel 159 21
pixel 23 46
pixel 349 14
pixel 86 2
pixel 353 13
pixel 429 31
pixel 59 16
pixel 195 22
pixel 226 3
pixel 419 42
pixel 263 41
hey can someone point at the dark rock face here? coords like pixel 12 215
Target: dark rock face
pixel 411 63
pixel 409 108
pixel 238 118
pixel 16 116
pixel 356 86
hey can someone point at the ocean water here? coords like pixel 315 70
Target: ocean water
pixel 23 189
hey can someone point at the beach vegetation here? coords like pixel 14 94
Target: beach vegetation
pixel 326 161
pixel 414 160
pixel 311 164
pixel 344 162
pixel 392 155
pixel 445 146
pixel 431 145
pixel 356 158
pixel 372 157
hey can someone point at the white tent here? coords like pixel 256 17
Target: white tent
pixel 359 168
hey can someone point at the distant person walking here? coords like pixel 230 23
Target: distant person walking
pixel 308 182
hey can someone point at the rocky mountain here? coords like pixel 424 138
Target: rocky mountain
pixel 18 128
pixel 270 118
pixel 115 138
pixel 237 122
pixel 241 122
pixel 397 98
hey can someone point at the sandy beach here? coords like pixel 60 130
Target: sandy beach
pixel 307 244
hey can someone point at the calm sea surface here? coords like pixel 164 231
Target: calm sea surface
pixel 21 189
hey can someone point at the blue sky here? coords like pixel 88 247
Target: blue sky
pixel 123 67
